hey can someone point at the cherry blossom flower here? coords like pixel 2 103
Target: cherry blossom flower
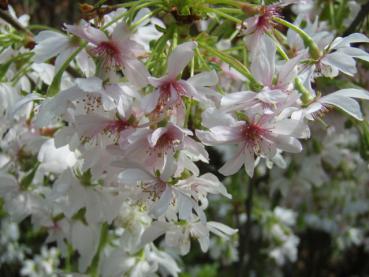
pixel 55 44
pixel 262 136
pixel 168 95
pixel 156 147
pixel 117 51
pixel 340 55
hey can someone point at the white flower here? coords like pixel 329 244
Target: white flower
pixel 55 160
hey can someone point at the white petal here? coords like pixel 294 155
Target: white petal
pixel 342 62
pixel 49 44
pixel 180 57
pixel 121 32
pixel 249 161
pixel 221 230
pixel 352 92
pixel 155 136
pixel 296 128
pixel 136 72
pixel 161 206
pixel 288 144
pixel 132 176
pixel 219 135
pixel 155 230
pixel 149 102
pixel 185 204
pixel 236 100
pixel 92 84
pixel 344 103
pixel 24 101
pixel 204 79
pixel 87 32
pixel 355 53
pixel 233 166
pixel 353 38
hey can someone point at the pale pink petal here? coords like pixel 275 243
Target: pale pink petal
pixel 179 58
pixel 346 41
pixel 233 166
pixel 150 101
pixel 87 32
pixel 185 204
pixel 249 161
pixel 136 72
pixel 162 205
pixel 220 135
pixel 132 176
pixel 121 32
pixel 342 62
pixel 204 79
pixel 347 104
pixel 155 136
pixel 288 144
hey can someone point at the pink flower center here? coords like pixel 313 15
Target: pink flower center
pixel 117 126
pixel 154 188
pixel 265 21
pixel 167 142
pixel 166 87
pixel 253 133
pixel 109 52
pixel 167 101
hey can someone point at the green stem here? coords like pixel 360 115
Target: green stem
pixel 308 41
pixel 100 3
pixel 233 3
pixel 231 10
pixel 281 52
pixel 106 26
pixel 142 19
pixel 331 14
pixel 42 27
pixel 125 5
pixel 203 61
pixel 224 15
pixel 254 84
pixel 234 34
pixel 134 9
pixel 175 38
pixel 55 85
pixel 306 96
pixel 94 267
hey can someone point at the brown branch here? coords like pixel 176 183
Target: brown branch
pixel 13 22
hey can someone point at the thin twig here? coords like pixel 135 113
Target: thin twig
pixel 9 19
pixel 245 239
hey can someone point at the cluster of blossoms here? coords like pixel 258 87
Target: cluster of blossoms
pixel 106 127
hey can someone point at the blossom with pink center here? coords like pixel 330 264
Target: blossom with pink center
pixel 259 25
pixel 170 91
pixel 261 136
pixel 117 51
pixel 155 147
pixel 156 191
pixel 90 126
